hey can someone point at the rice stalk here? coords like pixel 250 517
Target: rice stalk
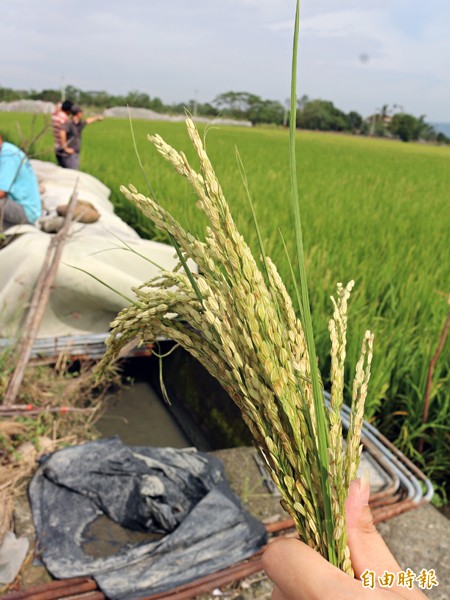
pixel 236 317
pixel 241 325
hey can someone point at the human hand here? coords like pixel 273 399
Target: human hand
pixel 300 573
pixel 69 150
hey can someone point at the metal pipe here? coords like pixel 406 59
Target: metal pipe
pixel 207 584
pixel 427 482
pixel 413 487
pixel 55 590
pixel 57 583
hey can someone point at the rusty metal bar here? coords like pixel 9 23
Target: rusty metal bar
pixel 57 583
pixel 209 582
pixel 279 526
pixel 385 513
pixel 97 595
pixel 56 589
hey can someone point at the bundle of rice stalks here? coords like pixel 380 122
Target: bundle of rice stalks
pixel 238 320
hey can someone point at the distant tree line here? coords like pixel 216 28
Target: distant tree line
pixel 320 115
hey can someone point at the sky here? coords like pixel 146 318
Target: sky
pixel 360 54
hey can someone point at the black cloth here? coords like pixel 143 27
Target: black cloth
pixel 182 494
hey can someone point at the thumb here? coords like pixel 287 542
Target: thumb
pixel 301 573
pixel 367 548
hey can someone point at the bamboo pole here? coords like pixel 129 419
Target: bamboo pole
pixel 38 303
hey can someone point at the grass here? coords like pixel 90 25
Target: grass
pixel 376 211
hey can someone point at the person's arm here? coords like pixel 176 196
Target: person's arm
pixel 300 573
pixel 94 119
pixel 2 194
pixel 64 143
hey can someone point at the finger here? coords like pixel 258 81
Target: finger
pixel 300 573
pixel 368 551
pixel 367 548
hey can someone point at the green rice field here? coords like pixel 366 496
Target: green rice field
pixel 376 211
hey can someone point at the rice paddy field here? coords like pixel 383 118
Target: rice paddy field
pixel 373 210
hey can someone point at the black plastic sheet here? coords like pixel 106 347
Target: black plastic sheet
pixel 191 523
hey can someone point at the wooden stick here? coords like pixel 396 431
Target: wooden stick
pixel 39 302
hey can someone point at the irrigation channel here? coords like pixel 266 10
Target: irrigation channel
pixel 139 416
pixel 197 413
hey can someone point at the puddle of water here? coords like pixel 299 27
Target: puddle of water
pixel 138 416
pixel 103 537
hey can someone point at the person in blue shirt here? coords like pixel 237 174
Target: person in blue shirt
pixel 20 201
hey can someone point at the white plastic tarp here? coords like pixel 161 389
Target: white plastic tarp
pixel 78 303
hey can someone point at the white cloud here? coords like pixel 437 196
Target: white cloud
pixel 172 48
pixel 411 70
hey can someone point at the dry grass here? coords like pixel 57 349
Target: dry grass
pixel 63 407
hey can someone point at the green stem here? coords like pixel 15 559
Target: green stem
pixel 303 301
pixel 137 304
